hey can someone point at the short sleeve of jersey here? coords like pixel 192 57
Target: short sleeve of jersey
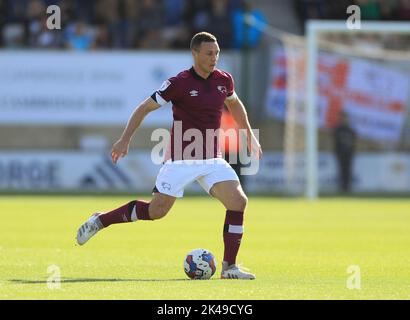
pixel 230 87
pixel 168 91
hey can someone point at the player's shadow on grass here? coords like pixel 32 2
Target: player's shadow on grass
pixel 75 280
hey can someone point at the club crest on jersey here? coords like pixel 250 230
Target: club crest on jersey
pixel 222 89
pixel 166 186
pixel 194 93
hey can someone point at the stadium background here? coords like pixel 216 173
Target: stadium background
pixel 109 55
pixel 108 36
pixel 65 96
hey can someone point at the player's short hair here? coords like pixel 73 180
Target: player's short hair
pixel 201 37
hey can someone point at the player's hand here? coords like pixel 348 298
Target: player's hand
pixel 254 147
pixel 119 150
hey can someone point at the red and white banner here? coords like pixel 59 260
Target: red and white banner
pixel 375 96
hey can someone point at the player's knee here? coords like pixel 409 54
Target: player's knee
pixel 239 203
pixel 158 211
pixel 243 202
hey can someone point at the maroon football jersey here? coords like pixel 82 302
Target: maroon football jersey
pixel 197 103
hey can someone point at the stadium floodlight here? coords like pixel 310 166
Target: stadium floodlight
pixel 314 29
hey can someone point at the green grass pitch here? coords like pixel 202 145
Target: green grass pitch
pixel 297 249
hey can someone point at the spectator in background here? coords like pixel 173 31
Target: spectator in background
pixel 403 10
pixel 16 10
pixel 13 35
pixel 84 10
pixel 344 144
pixel 103 38
pixel 175 33
pixel 173 11
pixel 34 14
pixel 309 9
pixel 245 34
pixel 150 24
pixel 130 15
pixel 80 38
pixel 197 15
pixel 35 9
pixel 106 14
pixel 121 20
pixel 41 37
pixel 2 19
pixel 369 10
pixel 336 9
pixel 220 22
pixel 387 9
pixel 68 13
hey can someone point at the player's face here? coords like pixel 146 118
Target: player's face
pixel 207 56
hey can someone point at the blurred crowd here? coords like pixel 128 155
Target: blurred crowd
pixel 161 24
pixel 122 24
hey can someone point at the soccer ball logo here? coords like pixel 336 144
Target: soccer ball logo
pixel 199 264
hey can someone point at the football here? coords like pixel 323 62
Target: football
pixel 199 264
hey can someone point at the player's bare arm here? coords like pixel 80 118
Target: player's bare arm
pixel 120 148
pixel 238 111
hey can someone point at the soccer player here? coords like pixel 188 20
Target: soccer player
pixel 198 96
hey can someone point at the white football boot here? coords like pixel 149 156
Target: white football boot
pixel 234 272
pixel 88 229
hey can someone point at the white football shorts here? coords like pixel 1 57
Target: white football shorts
pixel 174 176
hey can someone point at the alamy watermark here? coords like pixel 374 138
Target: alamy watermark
pixel 195 145
pixel 54 20
pixel 54 280
pixel 354 280
pixel 354 20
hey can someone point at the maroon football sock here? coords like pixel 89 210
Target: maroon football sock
pixel 132 211
pixel 233 230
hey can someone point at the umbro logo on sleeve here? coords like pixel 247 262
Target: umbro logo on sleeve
pixel 222 89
